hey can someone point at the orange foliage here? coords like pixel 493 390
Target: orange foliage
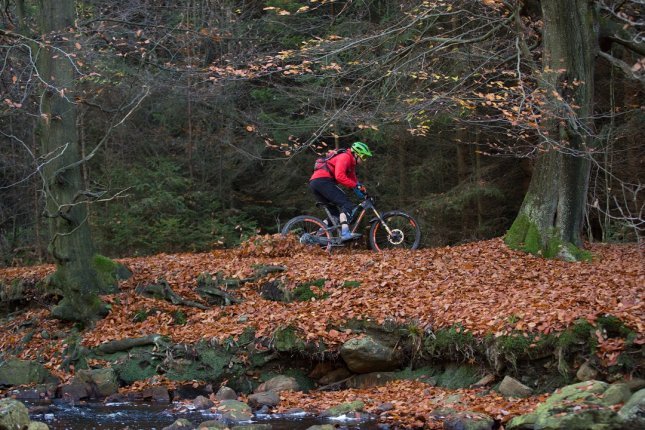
pixel 477 285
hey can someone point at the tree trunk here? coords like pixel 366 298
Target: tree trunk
pixel 551 217
pixel 71 243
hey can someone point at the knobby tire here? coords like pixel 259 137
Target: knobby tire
pixel 311 225
pixel 407 234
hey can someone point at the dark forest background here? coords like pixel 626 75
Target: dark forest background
pixel 203 119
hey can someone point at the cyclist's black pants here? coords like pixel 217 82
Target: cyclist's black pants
pixel 327 191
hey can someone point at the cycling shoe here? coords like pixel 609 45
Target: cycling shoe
pixel 349 236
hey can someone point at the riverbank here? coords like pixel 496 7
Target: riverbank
pixel 449 323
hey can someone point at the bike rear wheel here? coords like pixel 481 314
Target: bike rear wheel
pixel 309 230
pixel 404 232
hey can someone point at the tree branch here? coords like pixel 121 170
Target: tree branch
pixel 626 68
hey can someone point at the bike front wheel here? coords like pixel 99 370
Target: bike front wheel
pixel 396 230
pixel 309 230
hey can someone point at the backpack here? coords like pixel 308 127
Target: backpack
pixel 322 162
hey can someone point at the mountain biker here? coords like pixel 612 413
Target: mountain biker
pixel 336 169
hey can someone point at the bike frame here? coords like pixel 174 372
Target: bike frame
pixel 365 205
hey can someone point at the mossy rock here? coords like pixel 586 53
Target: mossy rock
pixel 13 414
pixel 633 412
pixel 22 372
pixel 286 340
pixel 423 374
pixel 233 410
pixel 343 409
pixel 367 354
pixel 458 376
pixel 576 407
pixel 468 420
pixel 300 375
pixel 209 364
pixel 137 365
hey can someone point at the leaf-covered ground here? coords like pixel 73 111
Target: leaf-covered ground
pixel 483 286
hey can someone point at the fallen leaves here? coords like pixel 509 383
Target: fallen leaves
pixel 484 287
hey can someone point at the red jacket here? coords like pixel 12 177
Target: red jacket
pixel 342 168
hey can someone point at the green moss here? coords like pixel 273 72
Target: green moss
pixel 138 365
pixel 140 316
pixel 179 317
pixel 304 382
pixel 286 340
pixel 106 272
pixel 351 284
pixel 454 343
pixel 513 319
pixel 423 374
pixel 455 377
pixel 209 365
pixel 515 237
pixel 580 335
pixel 305 292
pixel 613 326
pixel 524 235
pixel 247 336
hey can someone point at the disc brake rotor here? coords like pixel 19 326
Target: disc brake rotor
pixel 396 238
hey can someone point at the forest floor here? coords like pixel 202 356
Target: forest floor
pixel 482 287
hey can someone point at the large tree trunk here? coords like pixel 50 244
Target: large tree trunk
pixel 71 243
pixel 550 220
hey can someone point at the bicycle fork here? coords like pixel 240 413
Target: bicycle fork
pixel 380 219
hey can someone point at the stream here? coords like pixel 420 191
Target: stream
pixel 143 416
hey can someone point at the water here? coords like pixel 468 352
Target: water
pixel 142 416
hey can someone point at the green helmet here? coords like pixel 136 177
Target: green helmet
pixel 361 149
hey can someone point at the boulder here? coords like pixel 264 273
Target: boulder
pixel 213 425
pixel 635 384
pixel 37 425
pixel 343 409
pixel 103 381
pixel 202 403
pixel 366 355
pixel 39 392
pixel 486 380
pixel 156 394
pixel 263 426
pixel 279 383
pixel 511 387
pixel 616 393
pixel 580 406
pixel 468 420
pixel 232 410
pixel 633 412
pixel 586 372
pixel 180 424
pixel 22 372
pixel 335 375
pixel 13 415
pixel 265 398
pixel 75 391
pixel 226 393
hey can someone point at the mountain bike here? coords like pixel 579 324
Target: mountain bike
pixel 393 229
